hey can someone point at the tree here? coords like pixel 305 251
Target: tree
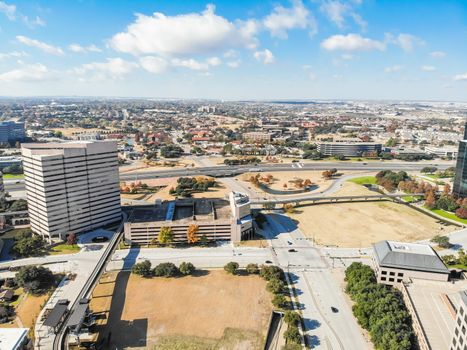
pixel 35 279
pixel 72 239
pixel 279 301
pixel 19 205
pixel 441 241
pixel 29 245
pixel 461 212
pixel 231 267
pixel 165 235
pixel 204 240
pixel 447 189
pixel 191 233
pixel 252 269
pixel 429 170
pixel 186 268
pixel 292 317
pixel 430 201
pixel 292 335
pixel 275 286
pixel 165 270
pixel 271 272
pixel 142 269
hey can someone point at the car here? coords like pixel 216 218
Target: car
pixel 100 239
pixel 289 243
pixel 334 309
pixel 268 262
pixel 292 250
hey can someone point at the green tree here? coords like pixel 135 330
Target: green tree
pixel 35 279
pixel 165 235
pixel 441 241
pixel 231 267
pixel 292 317
pixel 165 270
pixel 292 335
pixel 29 245
pixel 186 268
pixel 19 205
pixel 275 286
pixel 429 170
pixel 204 240
pixel 142 269
pixel 252 269
pixel 271 272
pixel 279 301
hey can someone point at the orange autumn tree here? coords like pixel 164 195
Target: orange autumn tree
pixel 191 233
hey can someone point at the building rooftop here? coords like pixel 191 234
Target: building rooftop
pixel 11 338
pixel 411 256
pixel 435 304
pixel 182 210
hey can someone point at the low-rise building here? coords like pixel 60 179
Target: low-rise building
pixel 445 152
pixel 395 262
pixel 257 137
pixel 14 339
pixel 348 148
pixel 216 219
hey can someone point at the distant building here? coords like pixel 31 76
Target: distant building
pixel 396 262
pixel 257 137
pixel 460 180
pixel 9 161
pixel 11 131
pixel 348 148
pixel 94 136
pixel 444 152
pixel 71 187
pixel 216 219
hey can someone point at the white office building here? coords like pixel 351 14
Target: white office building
pixel 71 187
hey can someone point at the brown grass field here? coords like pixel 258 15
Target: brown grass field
pixel 360 224
pixel 212 310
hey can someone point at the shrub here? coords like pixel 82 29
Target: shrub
pixel 441 241
pixel 231 267
pixel 271 272
pixel 279 301
pixel 142 269
pixel 252 269
pixel 186 268
pixel 165 270
pixel 292 317
pixel 275 286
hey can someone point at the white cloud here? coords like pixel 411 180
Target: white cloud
pixel 231 54
pixel 184 34
pixel 29 73
pixel 39 45
pixel 393 69
pixel 438 54
pixel 82 49
pixel 214 61
pixel 152 64
pixel 264 56
pixel 428 68
pixel 8 10
pixel 352 42
pixel 407 42
pixel 112 68
pixel 335 11
pixel 233 64
pixel 190 64
pixel 284 19
pixel 13 54
pixel 460 77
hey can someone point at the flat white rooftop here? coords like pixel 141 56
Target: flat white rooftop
pixel 11 338
pixel 411 248
pixel 436 303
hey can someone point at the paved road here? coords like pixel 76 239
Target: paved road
pixel 316 288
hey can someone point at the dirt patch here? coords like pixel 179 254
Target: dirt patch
pixel 204 310
pixel 360 224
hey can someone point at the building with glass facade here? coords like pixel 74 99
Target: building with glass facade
pixel 460 180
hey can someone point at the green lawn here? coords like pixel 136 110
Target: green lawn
pixel 64 249
pixel 411 199
pixel 448 215
pixel 364 180
pixel 437 177
pixel 458 266
pixel 13 176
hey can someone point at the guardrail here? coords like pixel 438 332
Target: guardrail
pixel 59 341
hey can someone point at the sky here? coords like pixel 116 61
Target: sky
pixel 235 50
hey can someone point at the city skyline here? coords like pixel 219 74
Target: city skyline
pixel 219 50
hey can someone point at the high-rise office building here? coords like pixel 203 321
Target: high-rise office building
pixel 71 187
pixel 460 180
pixel 11 131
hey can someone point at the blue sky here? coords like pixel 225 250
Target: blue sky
pixel 299 49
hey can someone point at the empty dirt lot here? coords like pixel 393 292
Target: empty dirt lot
pixel 360 224
pixel 213 310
